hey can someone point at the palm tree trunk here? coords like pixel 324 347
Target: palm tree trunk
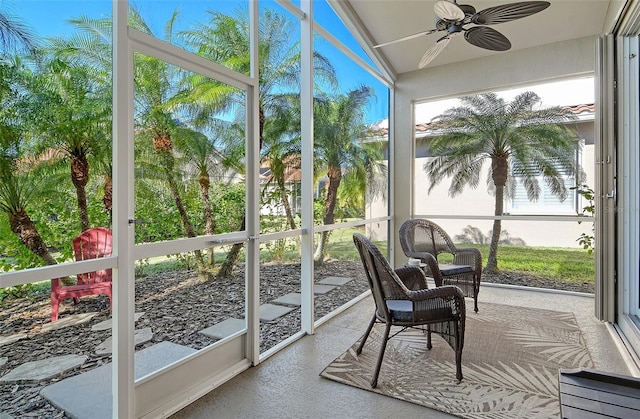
pixel 492 261
pixel 499 170
pixel 209 223
pixel 107 199
pixel 163 145
pixel 234 253
pixel 23 227
pixel 287 207
pixel 80 177
pixel 232 257
pixel 334 173
pixel 186 224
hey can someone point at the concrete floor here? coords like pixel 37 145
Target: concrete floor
pixel 288 384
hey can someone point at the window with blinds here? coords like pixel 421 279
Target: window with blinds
pixel 547 202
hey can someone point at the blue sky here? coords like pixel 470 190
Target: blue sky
pixel 577 91
pixel 49 18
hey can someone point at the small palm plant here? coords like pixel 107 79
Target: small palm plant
pixel 587 241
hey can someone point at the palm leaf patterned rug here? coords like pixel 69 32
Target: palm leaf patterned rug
pixel 510 363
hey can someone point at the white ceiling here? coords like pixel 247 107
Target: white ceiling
pixel 387 20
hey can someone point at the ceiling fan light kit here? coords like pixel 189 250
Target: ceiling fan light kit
pixel 452 18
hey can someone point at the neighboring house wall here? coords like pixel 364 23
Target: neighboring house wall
pixel 478 202
pixel 275 207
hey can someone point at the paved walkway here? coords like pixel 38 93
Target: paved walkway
pixel 273 310
pixel 88 395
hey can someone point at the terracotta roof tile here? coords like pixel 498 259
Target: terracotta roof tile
pixel 577 109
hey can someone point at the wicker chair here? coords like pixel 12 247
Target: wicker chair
pixel 425 240
pixel 402 299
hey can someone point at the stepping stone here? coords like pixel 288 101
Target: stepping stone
pixel 67 321
pixel 335 280
pixel 291 299
pixel 106 325
pixel 270 312
pixel 36 371
pixel 5 416
pixel 140 336
pixel 225 328
pixel 5 340
pixel 88 395
pixel 322 289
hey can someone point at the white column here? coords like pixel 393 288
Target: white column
pixel 306 98
pixel 252 271
pixel 123 229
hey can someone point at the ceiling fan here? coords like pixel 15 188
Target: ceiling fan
pixel 452 18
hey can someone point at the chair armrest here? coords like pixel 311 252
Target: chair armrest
pixel 448 296
pixel 432 269
pixel 412 277
pixel 468 256
pixel 445 291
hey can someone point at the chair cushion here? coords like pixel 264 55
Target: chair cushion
pixel 448 269
pixel 403 311
pixel 400 310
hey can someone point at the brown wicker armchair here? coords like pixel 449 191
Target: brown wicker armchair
pixel 425 240
pixel 402 299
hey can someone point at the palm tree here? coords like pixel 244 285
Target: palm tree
pixel 14 35
pixel 202 160
pixel 341 152
pixel 73 121
pixel 518 138
pixel 224 39
pixel 155 82
pixel 90 48
pixel 154 119
pixel 17 189
pixel 17 192
pixel 281 151
pixel 88 51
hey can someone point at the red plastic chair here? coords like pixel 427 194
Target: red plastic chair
pixel 90 244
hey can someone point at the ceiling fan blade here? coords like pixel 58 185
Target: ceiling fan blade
pixel 406 38
pixel 432 52
pixel 487 38
pixel 468 9
pixel 448 10
pixel 508 12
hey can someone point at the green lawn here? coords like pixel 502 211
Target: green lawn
pixel 566 264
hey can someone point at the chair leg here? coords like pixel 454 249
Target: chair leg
pixel 55 308
pixel 476 290
pixel 383 347
pixel 366 335
pixel 429 346
pixel 458 351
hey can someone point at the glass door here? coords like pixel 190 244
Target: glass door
pixel 192 180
